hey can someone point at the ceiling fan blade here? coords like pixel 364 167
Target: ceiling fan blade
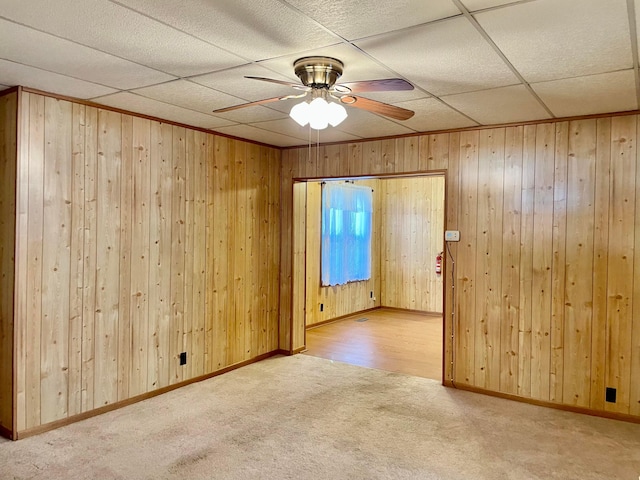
pixel 250 104
pixel 377 107
pixel 385 85
pixel 299 86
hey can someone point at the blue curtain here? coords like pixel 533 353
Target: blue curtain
pixel 346 233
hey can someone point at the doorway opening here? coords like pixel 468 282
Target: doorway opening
pixel 394 320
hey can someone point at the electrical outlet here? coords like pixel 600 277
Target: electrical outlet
pixel 452 236
pixel 183 358
pixel 610 395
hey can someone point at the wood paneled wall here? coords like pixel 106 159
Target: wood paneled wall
pixel 8 155
pixel 339 300
pixel 138 240
pixel 412 236
pixel 547 271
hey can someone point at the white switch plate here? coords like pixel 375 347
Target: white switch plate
pixel 452 236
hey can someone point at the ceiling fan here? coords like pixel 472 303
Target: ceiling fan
pixel 318 76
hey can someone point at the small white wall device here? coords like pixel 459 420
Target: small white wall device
pixel 452 236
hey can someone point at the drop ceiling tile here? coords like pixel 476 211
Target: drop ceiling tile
pixel 305 134
pixel 374 16
pixel 253 114
pixel 41 50
pixel 146 106
pixel 443 58
pixel 357 65
pixel 553 39
pixel 499 105
pixel 139 38
pixel 256 134
pixel 13 74
pixel 253 29
pixel 431 114
pixel 232 81
pixel 603 93
pixel 189 95
pixel 473 5
pixel 364 124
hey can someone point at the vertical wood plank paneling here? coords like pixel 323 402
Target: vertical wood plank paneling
pixel 160 255
pixel 76 267
pixel 56 260
pixel 34 266
pixel 489 260
pixel 466 278
pixel 130 284
pixel 220 263
pixel 139 288
pixel 299 228
pixel 90 246
pixel 238 227
pixel 107 293
pixel 558 265
pixel 526 261
pixel 126 349
pixel 542 262
pixel 620 259
pixel 199 178
pixel 286 249
pixel 600 263
pixel 178 232
pixel 558 268
pixel 634 388
pixel 450 318
pixel 21 262
pixel 8 193
pixel 412 215
pixel 578 306
pixel 511 230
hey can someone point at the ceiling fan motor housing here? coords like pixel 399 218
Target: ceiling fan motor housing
pixel 318 72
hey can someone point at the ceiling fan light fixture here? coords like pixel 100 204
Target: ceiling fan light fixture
pixel 300 113
pixel 319 114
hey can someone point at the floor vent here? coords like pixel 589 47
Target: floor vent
pixel 362 320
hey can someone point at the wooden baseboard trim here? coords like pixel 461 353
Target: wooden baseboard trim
pixel 123 403
pixel 408 310
pixel 283 352
pixel 299 350
pixel 6 433
pixel 341 317
pixel 542 403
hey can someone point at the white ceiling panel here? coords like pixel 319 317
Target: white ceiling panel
pixel 473 5
pixel 364 124
pixel 351 20
pixel 305 134
pixel 253 29
pixel 431 114
pixel 147 106
pixel 553 39
pixel 357 65
pixel 253 114
pixel 607 92
pixel 34 48
pixel 499 105
pixel 139 38
pixel 189 95
pixel 443 58
pixel 13 74
pixel 256 134
pixel 232 81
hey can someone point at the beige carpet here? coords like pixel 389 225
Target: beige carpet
pixel 306 417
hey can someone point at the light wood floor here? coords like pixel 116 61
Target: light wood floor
pixel 391 340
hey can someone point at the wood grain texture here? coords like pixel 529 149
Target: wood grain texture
pixel 546 269
pixel 8 175
pixel 134 277
pixel 412 231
